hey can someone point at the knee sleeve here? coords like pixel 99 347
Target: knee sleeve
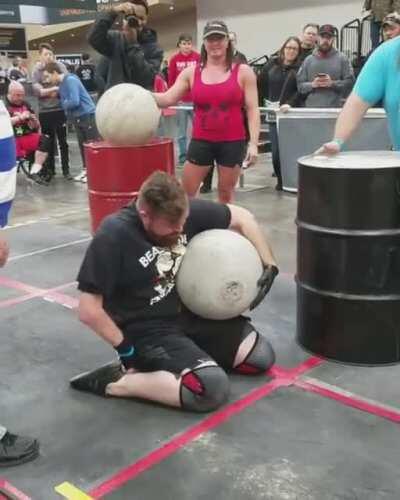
pixel 44 143
pixel 204 389
pixel 260 358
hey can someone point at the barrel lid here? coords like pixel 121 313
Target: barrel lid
pixel 155 141
pixel 354 160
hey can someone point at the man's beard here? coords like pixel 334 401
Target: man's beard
pixel 163 241
pixel 324 48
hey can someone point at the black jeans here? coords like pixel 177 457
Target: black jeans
pixel 86 131
pixel 54 125
pixel 276 160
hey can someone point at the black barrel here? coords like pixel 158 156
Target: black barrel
pixel 348 257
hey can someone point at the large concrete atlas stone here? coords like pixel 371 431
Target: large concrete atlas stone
pixel 218 275
pixel 127 115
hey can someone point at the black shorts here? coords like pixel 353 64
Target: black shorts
pixel 225 154
pixel 175 345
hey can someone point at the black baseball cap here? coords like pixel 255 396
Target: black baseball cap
pixel 215 28
pixel 327 29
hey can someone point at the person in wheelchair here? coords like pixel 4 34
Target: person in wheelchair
pixel 31 144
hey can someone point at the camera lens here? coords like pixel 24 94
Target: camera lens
pixel 132 21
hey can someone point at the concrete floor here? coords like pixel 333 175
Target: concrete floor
pixel 308 430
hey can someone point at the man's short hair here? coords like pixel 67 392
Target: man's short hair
pixel 164 196
pixel 141 2
pixel 46 46
pixel 53 67
pixel 185 37
pixel 311 25
pixel 85 57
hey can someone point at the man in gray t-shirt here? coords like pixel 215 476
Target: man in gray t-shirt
pixel 326 76
pixel 51 115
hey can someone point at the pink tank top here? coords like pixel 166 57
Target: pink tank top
pixel 218 109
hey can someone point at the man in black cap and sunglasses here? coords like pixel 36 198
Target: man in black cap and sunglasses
pixel 133 53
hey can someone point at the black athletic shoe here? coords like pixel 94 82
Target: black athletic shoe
pixel 15 450
pixel 97 380
pixel 39 179
pixel 205 189
pixel 68 176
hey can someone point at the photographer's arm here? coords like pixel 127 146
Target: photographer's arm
pixel 179 89
pixel 99 37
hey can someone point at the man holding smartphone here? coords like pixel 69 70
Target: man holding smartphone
pixel 326 76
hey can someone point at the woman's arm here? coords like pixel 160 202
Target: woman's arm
pixel 178 90
pixel 252 110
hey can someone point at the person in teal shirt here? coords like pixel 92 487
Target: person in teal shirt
pixel 379 80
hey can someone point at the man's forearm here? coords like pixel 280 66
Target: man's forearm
pixel 350 117
pixel 101 323
pixel 246 224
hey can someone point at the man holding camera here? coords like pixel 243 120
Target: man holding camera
pixel 326 76
pixel 133 53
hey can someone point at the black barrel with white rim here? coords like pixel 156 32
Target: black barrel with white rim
pixel 348 257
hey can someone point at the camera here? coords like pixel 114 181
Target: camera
pixel 132 21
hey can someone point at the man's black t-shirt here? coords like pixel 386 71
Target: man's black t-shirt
pixel 86 74
pixel 136 278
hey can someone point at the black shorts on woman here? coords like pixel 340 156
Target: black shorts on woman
pixel 225 153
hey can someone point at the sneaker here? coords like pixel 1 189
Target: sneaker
pixel 68 176
pixel 16 450
pixel 35 168
pixel 79 177
pixel 84 179
pixel 96 381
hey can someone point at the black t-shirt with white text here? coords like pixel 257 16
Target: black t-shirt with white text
pixel 136 278
pixel 86 74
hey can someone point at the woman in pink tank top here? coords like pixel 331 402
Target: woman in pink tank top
pixel 223 94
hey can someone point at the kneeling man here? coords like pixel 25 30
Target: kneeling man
pixel 127 280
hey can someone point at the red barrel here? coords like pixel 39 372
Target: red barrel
pixel 115 173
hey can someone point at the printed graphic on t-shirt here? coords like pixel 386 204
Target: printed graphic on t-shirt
pixel 86 74
pixel 181 65
pixel 215 118
pixel 168 261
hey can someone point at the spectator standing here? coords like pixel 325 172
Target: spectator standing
pixel 183 59
pixel 326 76
pixel 78 105
pixel 379 9
pixel 51 115
pixel 391 26
pixel 133 54
pixel 86 74
pixel 238 57
pixel 277 83
pixel 309 40
pixel 18 72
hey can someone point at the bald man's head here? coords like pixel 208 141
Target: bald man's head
pixel 16 93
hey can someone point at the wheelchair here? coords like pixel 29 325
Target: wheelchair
pixel 24 164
